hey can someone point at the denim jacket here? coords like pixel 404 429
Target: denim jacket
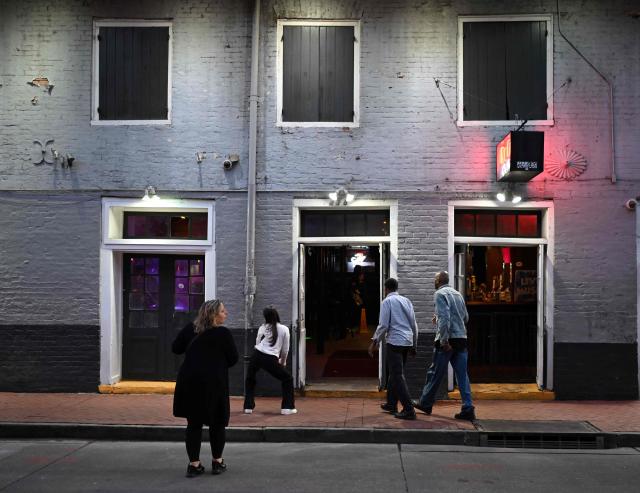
pixel 451 314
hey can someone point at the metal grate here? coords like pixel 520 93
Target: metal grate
pixel 543 441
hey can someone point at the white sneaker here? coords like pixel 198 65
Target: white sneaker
pixel 248 411
pixel 288 411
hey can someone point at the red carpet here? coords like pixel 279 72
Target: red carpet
pixel 351 364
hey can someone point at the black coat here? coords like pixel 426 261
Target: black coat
pixel 202 386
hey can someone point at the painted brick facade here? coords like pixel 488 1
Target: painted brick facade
pixel 406 148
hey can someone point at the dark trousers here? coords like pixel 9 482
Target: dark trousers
pixel 268 363
pixel 193 440
pixel 397 389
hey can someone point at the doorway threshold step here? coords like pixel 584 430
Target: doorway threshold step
pixel 344 387
pixel 138 387
pixel 507 392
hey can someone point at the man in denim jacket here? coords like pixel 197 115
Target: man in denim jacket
pixel 450 347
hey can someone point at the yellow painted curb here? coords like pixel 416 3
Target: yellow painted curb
pixel 138 387
pixel 507 392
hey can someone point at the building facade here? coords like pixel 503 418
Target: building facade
pixel 395 108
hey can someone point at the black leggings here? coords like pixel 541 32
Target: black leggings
pixel 193 440
pixel 268 363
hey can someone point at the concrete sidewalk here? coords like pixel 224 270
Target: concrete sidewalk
pixel 319 419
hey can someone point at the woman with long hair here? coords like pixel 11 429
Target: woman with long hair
pixel 270 354
pixel 202 386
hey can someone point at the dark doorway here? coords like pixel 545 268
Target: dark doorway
pixel 162 293
pixel 342 306
pixel 500 291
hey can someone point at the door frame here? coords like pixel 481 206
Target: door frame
pixel 114 246
pixel 547 238
pixel 320 204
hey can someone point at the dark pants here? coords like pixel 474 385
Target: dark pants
pixel 270 364
pixel 193 440
pixel 397 389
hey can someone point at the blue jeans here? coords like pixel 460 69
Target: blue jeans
pixel 437 371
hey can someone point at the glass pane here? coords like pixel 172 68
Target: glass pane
pixel 136 301
pixel 196 285
pixel 199 226
pixel 312 224
pixel 196 268
pixel 506 225
pixel 136 226
pixel 179 227
pixel 182 268
pixel 157 226
pixel 150 319
pixel 181 285
pixel 335 225
pixel 137 284
pixel 464 224
pixel 485 224
pixel 182 303
pixel 378 223
pixel 137 265
pixel 152 284
pixel 528 225
pixel 136 320
pixel 196 302
pixel 151 301
pixel 152 266
pixel 356 225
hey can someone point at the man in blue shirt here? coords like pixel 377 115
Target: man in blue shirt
pixel 398 323
pixel 450 347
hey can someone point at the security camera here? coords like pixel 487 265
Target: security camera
pixel 230 161
pixel 227 164
pixel 631 204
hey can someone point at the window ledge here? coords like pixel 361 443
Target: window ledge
pixel 318 124
pixel 129 122
pixel 503 123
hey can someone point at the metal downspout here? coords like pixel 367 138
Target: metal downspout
pixel 250 279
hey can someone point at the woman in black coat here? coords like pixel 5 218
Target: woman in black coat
pixel 202 386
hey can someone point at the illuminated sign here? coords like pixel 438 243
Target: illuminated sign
pixel 519 156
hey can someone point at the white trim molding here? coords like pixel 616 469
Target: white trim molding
pixel 356 71
pixel 95 69
pixel 112 249
pixel 547 238
pixel 461 122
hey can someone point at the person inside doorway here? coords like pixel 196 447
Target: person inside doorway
pixel 270 354
pixel 358 297
pixel 202 387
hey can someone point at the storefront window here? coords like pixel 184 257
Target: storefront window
pixel 344 223
pixel 189 226
pixel 508 224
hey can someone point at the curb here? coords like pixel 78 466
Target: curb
pixel 476 438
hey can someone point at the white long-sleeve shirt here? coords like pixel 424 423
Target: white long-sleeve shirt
pixel 281 348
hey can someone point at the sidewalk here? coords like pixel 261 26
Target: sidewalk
pixel 25 414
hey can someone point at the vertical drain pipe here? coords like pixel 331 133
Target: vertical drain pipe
pixel 250 279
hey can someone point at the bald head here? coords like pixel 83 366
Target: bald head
pixel 441 278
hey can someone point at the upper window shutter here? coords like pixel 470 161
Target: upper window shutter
pixel 504 70
pixel 133 66
pixel 318 74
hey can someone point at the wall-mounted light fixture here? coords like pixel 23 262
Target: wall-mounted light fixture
pixel 508 196
pixel 150 194
pixel 200 156
pixel 341 197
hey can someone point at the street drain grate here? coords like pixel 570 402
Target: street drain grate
pixel 552 441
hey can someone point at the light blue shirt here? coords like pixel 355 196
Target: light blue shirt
pixel 451 314
pixel 397 321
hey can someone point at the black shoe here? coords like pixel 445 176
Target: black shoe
pixel 218 467
pixel 424 409
pixel 404 414
pixel 388 408
pixel 194 470
pixel 466 414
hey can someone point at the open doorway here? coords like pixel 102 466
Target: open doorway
pixel 342 302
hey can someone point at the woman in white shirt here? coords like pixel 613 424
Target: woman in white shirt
pixel 270 354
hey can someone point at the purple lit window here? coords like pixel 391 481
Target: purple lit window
pixel 187 226
pixel 152 266
pixel 137 265
pixel 151 301
pixel 182 303
pixel 196 285
pixel 196 268
pixel 136 301
pixel 137 284
pixel 152 284
pixel 157 226
pixel 182 268
pixel 196 301
pixel 181 286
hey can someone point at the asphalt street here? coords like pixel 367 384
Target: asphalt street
pixel 89 466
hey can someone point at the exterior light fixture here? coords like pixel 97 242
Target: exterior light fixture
pixel 150 194
pixel 341 197
pixel 508 196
